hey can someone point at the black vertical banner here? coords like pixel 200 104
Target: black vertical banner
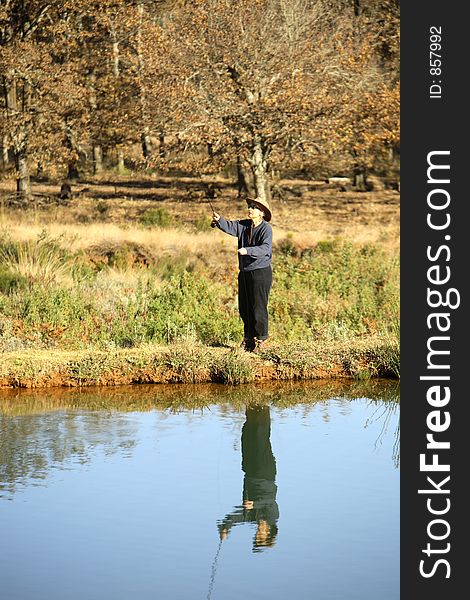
pixel 435 172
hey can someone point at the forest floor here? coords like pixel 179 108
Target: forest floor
pixel 298 206
pixel 112 211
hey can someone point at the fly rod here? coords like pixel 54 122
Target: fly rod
pixel 212 208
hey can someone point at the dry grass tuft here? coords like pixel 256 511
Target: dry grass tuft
pixel 38 261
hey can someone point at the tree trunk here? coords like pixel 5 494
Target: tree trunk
pixel 71 144
pixel 360 178
pixel 145 135
pixel 161 140
pixel 11 106
pixel 23 180
pixel 117 72
pixel 10 95
pixel 97 160
pixel 146 143
pixel 72 171
pixel 120 160
pixel 243 179
pixel 260 176
pixel 5 156
pixel 19 142
pixel 394 157
pixel 115 57
pixel 97 150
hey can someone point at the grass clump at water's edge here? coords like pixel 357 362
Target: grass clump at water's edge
pixel 194 363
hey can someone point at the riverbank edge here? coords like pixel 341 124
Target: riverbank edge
pixel 196 363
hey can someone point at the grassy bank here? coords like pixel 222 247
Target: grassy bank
pixel 113 280
pixel 196 363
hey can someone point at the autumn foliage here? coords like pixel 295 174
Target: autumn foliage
pixel 199 85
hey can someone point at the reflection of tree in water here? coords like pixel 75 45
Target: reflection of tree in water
pixel 39 430
pixel 32 445
pixel 259 488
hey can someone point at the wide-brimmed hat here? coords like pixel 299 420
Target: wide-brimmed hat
pixel 262 205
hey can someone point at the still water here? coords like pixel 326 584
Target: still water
pixel 201 492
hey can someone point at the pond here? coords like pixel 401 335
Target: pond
pixel 190 492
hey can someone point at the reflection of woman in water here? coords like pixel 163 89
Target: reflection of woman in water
pixel 259 489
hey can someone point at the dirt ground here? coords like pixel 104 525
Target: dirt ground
pixel 306 209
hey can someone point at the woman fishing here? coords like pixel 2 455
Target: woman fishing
pixel 255 238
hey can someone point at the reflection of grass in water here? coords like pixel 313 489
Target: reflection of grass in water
pixel 383 414
pixel 197 396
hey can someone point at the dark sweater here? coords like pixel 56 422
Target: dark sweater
pixel 259 249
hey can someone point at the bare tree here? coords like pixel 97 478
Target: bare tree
pixel 256 81
pixel 37 81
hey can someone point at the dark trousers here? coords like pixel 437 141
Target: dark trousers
pixel 253 293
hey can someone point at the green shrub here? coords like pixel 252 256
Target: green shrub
pixel 156 217
pixel 57 316
pixel 101 208
pixel 10 281
pixel 203 224
pixel 189 300
pixel 287 246
pixel 341 290
pixel 165 267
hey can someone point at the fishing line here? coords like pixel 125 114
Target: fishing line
pixel 219 505
pixel 214 570
pixel 244 277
